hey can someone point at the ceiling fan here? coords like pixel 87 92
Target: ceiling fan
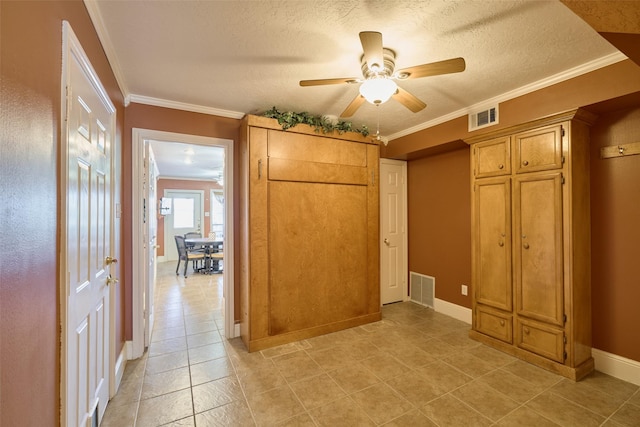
pixel 378 71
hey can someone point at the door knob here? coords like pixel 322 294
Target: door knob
pixel 111 280
pixel 108 260
pixel 386 241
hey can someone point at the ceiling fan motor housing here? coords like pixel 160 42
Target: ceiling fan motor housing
pixel 389 59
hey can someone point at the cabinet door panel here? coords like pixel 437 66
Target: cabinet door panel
pixel 492 158
pixel 542 339
pixel 493 242
pixel 538 251
pixel 317 255
pixel 295 146
pixel 539 149
pixel 495 324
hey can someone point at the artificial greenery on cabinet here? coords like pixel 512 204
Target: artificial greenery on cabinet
pixel 289 119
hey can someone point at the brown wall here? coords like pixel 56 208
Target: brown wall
pixel 439 207
pixel 168 120
pixel 439 199
pixel 31 63
pixel 181 184
pixel 610 82
pixel 615 233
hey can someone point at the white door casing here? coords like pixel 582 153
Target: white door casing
pixel 135 348
pixel 170 249
pixel 88 130
pixel 393 233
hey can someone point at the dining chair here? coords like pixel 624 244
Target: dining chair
pixel 187 255
pixel 191 235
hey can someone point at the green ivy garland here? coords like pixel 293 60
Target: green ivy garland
pixel 322 124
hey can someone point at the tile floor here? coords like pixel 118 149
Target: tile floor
pixel 416 367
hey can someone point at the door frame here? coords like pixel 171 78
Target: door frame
pixel 71 47
pixel 139 136
pixel 404 268
pixel 168 239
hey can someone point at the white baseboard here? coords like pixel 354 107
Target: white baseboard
pixel 611 364
pixel 128 349
pixel 160 258
pixel 236 330
pixel 121 363
pixel 452 310
pixel 617 366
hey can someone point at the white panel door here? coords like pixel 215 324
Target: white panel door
pixel 393 258
pixel 90 129
pixel 151 227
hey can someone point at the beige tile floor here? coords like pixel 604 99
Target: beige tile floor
pixel 416 367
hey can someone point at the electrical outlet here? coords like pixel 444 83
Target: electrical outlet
pixel 465 290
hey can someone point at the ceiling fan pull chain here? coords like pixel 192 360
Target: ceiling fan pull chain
pixel 378 122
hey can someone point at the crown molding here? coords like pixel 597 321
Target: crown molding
pixel 176 105
pixel 103 36
pixel 523 90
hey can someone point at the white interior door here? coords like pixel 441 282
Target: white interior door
pixel 151 245
pixel 185 217
pixel 393 239
pixel 89 135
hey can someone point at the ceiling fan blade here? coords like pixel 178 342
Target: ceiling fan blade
pixel 372 48
pixel 355 104
pixel 408 100
pixel 433 69
pixel 323 82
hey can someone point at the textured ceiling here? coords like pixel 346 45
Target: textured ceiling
pixel 237 57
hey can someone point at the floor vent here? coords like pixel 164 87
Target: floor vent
pixel 422 289
pixel 484 118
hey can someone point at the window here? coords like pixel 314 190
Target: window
pixel 217 213
pixel 183 213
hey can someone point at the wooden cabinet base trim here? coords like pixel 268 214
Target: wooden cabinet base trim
pixel 276 340
pixel 573 373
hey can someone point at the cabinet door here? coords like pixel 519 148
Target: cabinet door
pixel 318 257
pixel 538 150
pixel 492 158
pixel 538 255
pixel 493 242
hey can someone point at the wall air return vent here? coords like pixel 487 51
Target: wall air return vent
pixel 484 118
pixel 423 289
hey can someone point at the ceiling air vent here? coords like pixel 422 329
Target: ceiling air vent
pixel 484 118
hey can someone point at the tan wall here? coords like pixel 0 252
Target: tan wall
pixel 30 58
pixel 615 233
pixel 439 206
pixel 181 184
pixel 169 120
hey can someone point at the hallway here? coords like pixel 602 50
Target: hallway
pixel 414 368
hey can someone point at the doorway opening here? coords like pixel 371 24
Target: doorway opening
pixel 147 206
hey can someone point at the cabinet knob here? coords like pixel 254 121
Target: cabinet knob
pixel 501 322
pixel 525 163
pixel 500 243
pixel 501 166
pixel 526 246
pixel 526 331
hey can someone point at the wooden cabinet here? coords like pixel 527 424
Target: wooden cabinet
pixel 531 242
pixel 308 232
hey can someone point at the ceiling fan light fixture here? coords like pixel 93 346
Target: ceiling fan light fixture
pixel 378 90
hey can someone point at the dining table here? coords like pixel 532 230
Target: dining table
pixel 210 246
